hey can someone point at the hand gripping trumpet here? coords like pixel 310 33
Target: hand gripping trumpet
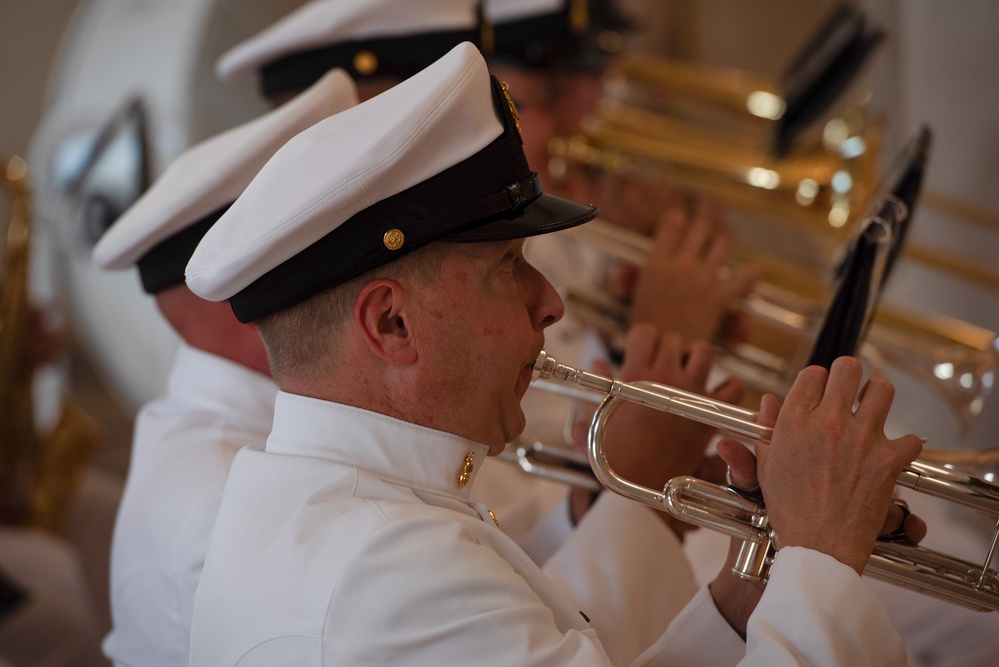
pixel 737 515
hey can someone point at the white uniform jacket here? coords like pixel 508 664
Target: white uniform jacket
pixel 348 540
pixel 183 446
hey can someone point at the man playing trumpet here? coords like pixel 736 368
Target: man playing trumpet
pixel 402 322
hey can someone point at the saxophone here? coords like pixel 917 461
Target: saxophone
pixel 38 473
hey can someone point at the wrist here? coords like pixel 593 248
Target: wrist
pixel 736 599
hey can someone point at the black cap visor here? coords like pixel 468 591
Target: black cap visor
pixel 548 213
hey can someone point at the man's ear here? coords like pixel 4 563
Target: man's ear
pixel 378 314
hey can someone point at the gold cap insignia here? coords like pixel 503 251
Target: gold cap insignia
pixel 493 516
pixel 365 63
pixel 393 239
pixel 513 109
pixel 465 473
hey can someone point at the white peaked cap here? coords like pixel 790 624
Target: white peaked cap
pixel 437 157
pixel 325 23
pixel 206 178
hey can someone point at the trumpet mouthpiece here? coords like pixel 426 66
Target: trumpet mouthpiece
pixel 544 366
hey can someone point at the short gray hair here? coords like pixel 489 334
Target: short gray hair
pixel 301 340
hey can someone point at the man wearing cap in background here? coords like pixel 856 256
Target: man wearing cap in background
pixel 554 53
pixel 379 254
pixel 219 396
pixel 377 42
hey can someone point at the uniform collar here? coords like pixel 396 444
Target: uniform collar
pixel 394 450
pixel 216 384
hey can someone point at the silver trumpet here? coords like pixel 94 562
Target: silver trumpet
pixel 744 518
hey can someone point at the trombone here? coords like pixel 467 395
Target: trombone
pixel 956 359
pixel 727 511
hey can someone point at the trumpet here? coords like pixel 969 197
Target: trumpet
pixel 734 514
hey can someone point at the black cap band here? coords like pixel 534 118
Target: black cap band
pixel 570 39
pixel 163 266
pixel 399 57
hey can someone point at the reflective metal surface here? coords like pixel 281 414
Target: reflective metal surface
pixel 725 510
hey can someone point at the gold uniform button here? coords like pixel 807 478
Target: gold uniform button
pixel 365 63
pixel 393 239
pixel 465 473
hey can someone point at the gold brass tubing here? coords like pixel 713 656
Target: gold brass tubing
pixel 743 178
pixel 724 170
pixel 728 88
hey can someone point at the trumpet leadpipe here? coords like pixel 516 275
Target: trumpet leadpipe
pixel 729 419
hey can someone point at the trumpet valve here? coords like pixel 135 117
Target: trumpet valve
pixel 753 561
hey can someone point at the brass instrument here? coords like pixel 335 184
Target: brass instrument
pixel 743 105
pixel 818 189
pixel 723 509
pixel 38 473
pixel 817 193
pixel 956 359
pixel 19 445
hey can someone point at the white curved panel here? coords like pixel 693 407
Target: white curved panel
pixel 161 53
